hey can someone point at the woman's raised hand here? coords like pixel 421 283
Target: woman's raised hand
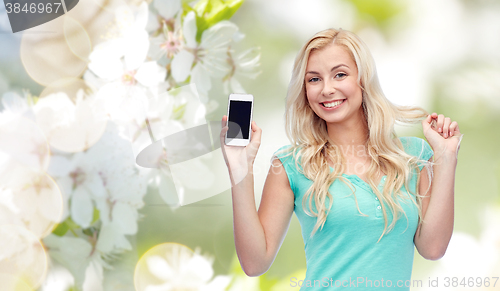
pixel 442 134
pixel 240 159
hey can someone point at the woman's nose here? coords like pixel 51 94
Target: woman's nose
pixel 328 88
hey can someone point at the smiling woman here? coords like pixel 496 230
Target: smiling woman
pixel 350 204
pixel 333 87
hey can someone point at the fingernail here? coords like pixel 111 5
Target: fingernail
pixel 445 135
pixel 440 129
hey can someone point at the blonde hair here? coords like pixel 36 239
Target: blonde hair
pixel 311 144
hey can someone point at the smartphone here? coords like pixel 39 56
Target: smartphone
pixel 239 119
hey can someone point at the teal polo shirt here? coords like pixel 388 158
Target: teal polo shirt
pixel 345 255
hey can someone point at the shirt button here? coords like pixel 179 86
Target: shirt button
pixel 378 207
pixel 376 198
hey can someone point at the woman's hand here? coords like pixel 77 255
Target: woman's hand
pixel 442 134
pixel 240 159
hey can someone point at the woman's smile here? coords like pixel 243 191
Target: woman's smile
pixel 331 105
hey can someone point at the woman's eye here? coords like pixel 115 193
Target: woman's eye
pixel 315 79
pixel 341 75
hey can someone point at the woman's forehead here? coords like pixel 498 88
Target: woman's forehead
pixel 331 55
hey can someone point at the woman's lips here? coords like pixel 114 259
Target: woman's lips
pixel 332 108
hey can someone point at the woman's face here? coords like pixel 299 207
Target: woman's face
pixel 331 77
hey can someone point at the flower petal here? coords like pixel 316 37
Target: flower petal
pixel 95 185
pixel 136 48
pixel 219 35
pixel 159 267
pixel 71 252
pixel 181 65
pixel 153 23
pixel 59 166
pixel 105 59
pixel 141 18
pixel 93 277
pixel 236 86
pixel 167 8
pixel 125 218
pixel 201 78
pixel 163 287
pixel 167 190
pixel 110 239
pixel 189 29
pixel 14 103
pixel 150 74
pixel 82 209
pixel 200 268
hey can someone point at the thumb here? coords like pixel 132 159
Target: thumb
pixel 224 129
pixel 426 123
pixel 256 133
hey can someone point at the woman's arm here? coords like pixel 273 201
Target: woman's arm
pixel 433 235
pixel 257 236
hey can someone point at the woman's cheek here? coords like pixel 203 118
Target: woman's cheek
pixel 311 93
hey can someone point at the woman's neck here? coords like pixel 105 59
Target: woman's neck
pixel 352 133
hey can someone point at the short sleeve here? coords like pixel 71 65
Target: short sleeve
pixel 285 155
pixel 417 147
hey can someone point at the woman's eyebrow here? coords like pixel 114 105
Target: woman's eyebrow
pixel 338 66
pixel 333 69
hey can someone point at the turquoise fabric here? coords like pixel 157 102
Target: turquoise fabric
pixel 345 254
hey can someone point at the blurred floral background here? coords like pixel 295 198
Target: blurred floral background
pixel 83 95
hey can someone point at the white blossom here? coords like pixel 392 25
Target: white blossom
pixel 70 126
pixel 178 268
pixel 21 138
pixel 121 61
pixel 104 176
pixel 76 254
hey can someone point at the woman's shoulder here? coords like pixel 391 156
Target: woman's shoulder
pixel 416 146
pixel 285 150
pixel 286 154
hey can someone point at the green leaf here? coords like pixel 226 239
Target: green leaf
pixel 179 111
pixel 61 229
pixel 223 11
pixel 211 12
pixel 186 9
pixel 89 231
pixel 96 215
pixel 71 223
pixel 201 7
pixel 201 26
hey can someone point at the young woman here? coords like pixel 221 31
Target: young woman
pixel 346 175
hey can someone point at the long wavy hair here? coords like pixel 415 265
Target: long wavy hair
pixel 312 146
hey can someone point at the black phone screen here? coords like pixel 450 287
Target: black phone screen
pixel 239 113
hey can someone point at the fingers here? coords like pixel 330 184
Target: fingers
pixel 431 121
pixel 429 118
pixel 256 133
pixel 446 126
pixel 223 130
pixel 440 123
pixel 453 128
pixel 223 121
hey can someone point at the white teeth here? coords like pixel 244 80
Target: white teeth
pixel 333 104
